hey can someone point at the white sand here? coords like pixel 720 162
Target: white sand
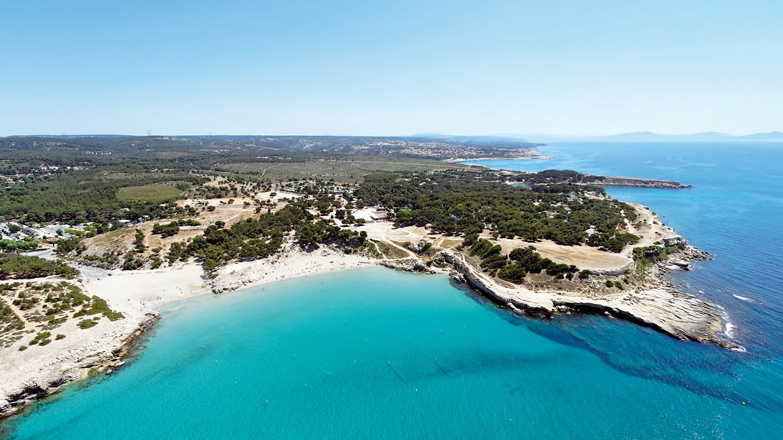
pixel 293 263
pixel 146 290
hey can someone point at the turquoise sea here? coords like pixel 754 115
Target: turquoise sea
pixel 377 354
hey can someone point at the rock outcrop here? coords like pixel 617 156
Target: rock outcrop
pixel 661 307
pixel 407 265
pixel 75 365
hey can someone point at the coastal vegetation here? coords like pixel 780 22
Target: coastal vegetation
pixel 9 320
pixel 20 266
pixel 649 255
pixel 172 228
pixel 46 306
pixel 263 236
pixel 463 202
pixel 515 266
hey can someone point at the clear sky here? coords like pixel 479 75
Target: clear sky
pixel 390 68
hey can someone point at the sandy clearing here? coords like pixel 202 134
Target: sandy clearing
pixel 583 256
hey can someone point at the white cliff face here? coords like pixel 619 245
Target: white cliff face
pixel 660 307
pixel 532 302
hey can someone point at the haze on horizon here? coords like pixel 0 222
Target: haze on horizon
pixel 350 67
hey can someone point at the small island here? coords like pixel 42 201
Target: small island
pixel 99 233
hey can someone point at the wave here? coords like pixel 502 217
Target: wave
pixel 730 329
pixel 743 298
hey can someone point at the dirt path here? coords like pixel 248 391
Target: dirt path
pixel 407 251
pixel 20 314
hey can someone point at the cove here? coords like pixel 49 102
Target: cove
pixel 374 353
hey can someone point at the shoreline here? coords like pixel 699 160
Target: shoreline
pixel 526 157
pixel 141 295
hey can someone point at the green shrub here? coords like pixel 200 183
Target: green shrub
pixel 87 323
pixel 98 305
pixel 40 338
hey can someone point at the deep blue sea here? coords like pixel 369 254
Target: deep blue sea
pixel 377 354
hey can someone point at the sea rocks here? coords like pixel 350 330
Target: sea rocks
pixel 674 241
pixel 457 277
pixel 680 264
pixel 408 265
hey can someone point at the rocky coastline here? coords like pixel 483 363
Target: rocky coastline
pixel 660 305
pixel 75 366
pixel 634 182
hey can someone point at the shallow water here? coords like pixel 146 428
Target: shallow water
pixel 374 353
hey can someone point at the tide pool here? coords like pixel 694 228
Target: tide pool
pixel 378 354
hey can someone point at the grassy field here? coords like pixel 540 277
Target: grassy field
pixel 391 251
pixel 343 170
pixel 148 193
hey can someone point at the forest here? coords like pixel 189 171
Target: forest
pixel 20 266
pixel 83 196
pixel 462 202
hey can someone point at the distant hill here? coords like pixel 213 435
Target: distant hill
pixel 771 136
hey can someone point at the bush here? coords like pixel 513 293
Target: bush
pixel 87 323
pixel 609 283
pixel 69 245
pixel 98 305
pixel 132 264
pixel 166 230
pixel 40 338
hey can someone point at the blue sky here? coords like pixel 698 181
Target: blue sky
pixel 391 68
